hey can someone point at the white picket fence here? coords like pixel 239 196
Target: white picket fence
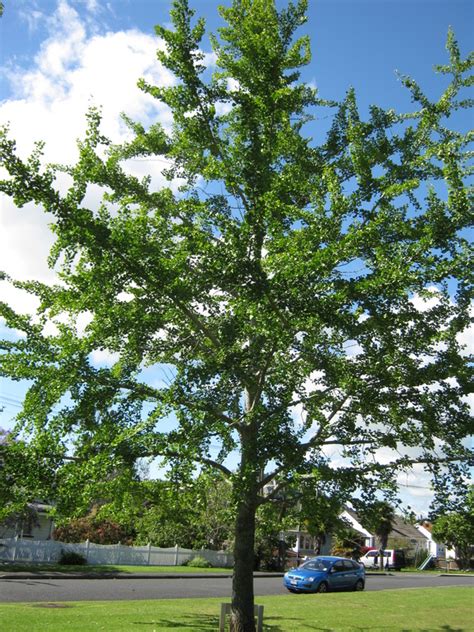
pixel 23 550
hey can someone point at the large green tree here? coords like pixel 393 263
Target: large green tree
pixel 456 529
pixel 27 472
pixel 284 275
pixel 378 517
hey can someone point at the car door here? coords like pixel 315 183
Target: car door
pixel 351 574
pixel 337 575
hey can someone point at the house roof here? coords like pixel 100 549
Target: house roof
pixel 400 528
pixel 405 530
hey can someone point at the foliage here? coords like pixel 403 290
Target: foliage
pixel 195 514
pixel 89 528
pixel 348 543
pixel 20 521
pixel 276 273
pixel 198 562
pixel 456 529
pixel 378 517
pixel 25 474
pixel 72 558
pixel 270 547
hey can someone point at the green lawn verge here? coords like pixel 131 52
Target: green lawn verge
pixel 97 568
pixel 437 571
pixel 425 610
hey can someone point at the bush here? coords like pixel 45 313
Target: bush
pixel 198 562
pixel 92 529
pixel 72 558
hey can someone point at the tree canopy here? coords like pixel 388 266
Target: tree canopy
pixel 456 529
pixel 280 282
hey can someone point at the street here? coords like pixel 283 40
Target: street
pixel 51 590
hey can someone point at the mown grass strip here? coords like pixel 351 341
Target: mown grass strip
pixel 95 568
pixel 424 610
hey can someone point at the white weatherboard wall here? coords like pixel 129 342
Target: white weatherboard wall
pixel 19 550
pixel 435 548
pixel 369 537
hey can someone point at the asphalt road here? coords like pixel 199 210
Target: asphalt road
pixel 52 590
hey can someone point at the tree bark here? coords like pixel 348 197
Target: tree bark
pixel 246 489
pixel 242 617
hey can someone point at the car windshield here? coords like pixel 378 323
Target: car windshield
pixel 315 565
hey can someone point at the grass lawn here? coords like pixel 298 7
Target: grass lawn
pixel 426 609
pixel 97 568
pixel 436 571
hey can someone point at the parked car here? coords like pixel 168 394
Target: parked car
pixel 394 559
pixel 323 573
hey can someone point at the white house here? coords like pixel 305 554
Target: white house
pixel 37 525
pixel 434 548
pixel 352 519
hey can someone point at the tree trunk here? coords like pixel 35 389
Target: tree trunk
pixel 242 618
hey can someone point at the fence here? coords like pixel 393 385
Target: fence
pixel 22 550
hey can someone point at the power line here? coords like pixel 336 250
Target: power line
pixel 14 404
pixel 414 486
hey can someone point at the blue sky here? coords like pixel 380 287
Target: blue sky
pixel 355 42
pixel 58 56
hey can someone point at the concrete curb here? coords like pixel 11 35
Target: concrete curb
pixel 456 575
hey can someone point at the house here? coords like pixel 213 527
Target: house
pixel 434 548
pixel 415 542
pixel 353 520
pixel 34 524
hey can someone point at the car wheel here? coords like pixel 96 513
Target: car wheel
pixel 322 588
pixel 359 585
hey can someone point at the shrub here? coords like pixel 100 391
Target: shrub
pixel 98 531
pixel 72 558
pixel 199 562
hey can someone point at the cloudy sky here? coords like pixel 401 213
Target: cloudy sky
pixel 60 56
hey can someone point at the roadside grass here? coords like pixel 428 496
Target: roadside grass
pixel 422 609
pixel 437 571
pixel 102 568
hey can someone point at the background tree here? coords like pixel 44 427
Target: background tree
pixel 378 517
pixel 196 514
pixel 26 474
pixel 456 529
pixel 93 529
pixel 281 275
pixel 347 543
pixel 321 514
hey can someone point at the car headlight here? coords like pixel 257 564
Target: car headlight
pixel 310 579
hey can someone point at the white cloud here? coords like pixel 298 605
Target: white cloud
pixel 466 338
pixel 19 300
pixel 425 303
pixel 104 357
pixel 74 67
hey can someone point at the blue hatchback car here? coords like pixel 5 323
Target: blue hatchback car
pixel 320 574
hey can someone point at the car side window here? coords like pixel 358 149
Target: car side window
pixel 338 567
pixel 348 565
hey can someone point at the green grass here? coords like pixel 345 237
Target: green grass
pixel 436 571
pixel 424 610
pixel 96 568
